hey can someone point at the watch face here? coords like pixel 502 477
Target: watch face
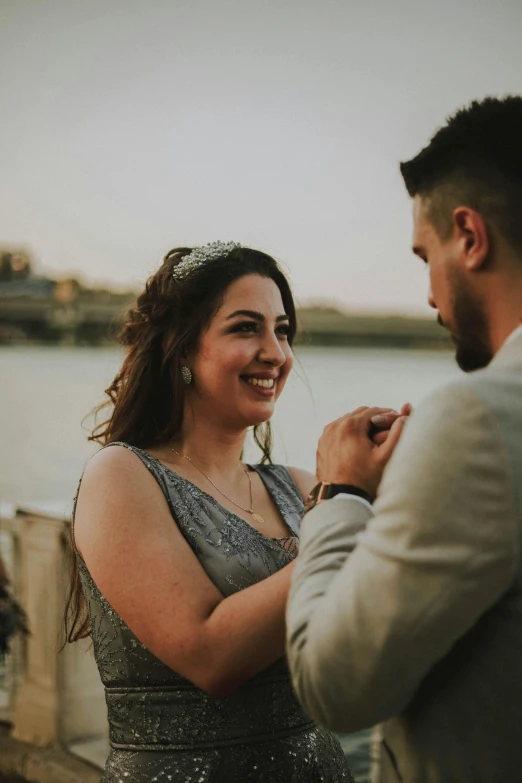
pixel 313 496
pixel 324 490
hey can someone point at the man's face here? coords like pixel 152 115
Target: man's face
pixel 450 292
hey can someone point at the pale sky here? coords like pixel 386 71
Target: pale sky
pixel 130 127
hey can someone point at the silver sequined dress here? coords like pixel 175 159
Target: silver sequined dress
pixel 162 727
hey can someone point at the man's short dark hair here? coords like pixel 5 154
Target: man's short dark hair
pixel 475 160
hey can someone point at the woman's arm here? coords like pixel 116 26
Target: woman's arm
pixel 146 570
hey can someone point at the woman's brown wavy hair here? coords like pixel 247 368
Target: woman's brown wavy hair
pixel 146 398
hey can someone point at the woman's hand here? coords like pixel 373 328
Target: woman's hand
pixel 381 428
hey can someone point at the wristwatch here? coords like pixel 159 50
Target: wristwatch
pixel 326 490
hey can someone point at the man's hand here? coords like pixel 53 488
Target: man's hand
pixel 355 450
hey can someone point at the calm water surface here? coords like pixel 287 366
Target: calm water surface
pixel 45 393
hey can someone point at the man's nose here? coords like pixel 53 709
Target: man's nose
pixel 431 300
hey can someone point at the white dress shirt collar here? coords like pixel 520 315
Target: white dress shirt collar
pixel 514 334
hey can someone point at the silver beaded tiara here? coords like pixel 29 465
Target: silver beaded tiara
pixel 200 256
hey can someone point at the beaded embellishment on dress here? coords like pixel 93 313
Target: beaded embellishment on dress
pixel 162 727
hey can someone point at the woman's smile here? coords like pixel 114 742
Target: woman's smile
pixel 261 383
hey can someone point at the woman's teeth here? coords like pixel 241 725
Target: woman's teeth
pixel 264 382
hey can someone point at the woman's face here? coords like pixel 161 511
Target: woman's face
pixel 244 357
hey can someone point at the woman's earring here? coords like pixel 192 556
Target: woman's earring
pixel 186 374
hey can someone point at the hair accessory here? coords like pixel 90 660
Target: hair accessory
pixel 200 256
pixel 186 374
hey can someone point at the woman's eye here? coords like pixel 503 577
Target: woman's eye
pixel 249 327
pixel 246 326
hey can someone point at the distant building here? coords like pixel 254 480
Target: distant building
pixel 14 265
pixel 38 308
pixel 66 291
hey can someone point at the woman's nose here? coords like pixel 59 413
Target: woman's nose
pixel 272 351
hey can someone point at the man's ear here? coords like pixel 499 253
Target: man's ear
pixel 472 235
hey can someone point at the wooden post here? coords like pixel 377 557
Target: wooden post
pixel 60 699
pixel 11 666
pixel 375 754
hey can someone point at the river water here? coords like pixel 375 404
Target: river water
pixel 46 392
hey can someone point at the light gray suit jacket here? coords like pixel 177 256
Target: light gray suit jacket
pixel 411 614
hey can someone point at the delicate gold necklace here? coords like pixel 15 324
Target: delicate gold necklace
pixel 256 517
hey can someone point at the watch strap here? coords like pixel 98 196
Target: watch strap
pixel 325 490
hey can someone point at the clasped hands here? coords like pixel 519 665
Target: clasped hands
pixel 356 448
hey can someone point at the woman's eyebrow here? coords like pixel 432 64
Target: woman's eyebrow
pixel 255 315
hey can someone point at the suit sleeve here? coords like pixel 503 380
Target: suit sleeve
pixel 376 601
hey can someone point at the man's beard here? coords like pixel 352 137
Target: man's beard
pixel 470 331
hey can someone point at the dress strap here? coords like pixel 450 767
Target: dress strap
pixel 286 495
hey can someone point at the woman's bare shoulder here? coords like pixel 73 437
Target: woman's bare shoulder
pixel 305 480
pixel 117 486
pixel 112 457
pixel 118 466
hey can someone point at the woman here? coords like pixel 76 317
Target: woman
pixel 184 552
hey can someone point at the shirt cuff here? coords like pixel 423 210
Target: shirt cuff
pixel 346 496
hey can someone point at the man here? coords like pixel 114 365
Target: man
pixel 409 612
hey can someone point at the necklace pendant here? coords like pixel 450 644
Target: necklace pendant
pixel 257 518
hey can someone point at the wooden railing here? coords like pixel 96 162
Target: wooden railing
pixel 10 668
pixel 50 697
